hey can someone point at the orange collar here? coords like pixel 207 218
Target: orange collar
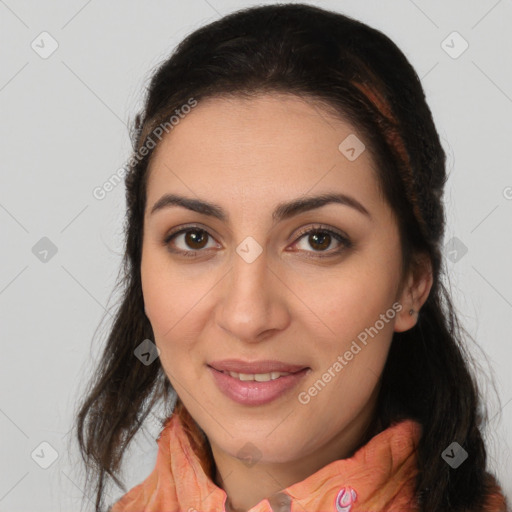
pixel 380 476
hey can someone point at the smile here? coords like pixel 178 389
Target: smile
pixel 256 388
pixel 259 377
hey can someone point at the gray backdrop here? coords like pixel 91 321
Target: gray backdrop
pixel 71 77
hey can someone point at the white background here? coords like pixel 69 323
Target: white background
pixel 64 132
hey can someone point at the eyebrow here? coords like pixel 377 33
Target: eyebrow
pixel 281 212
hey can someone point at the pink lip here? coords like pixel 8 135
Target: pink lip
pixel 253 392
pixel 266 366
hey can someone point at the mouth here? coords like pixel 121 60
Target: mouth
pixel 266 366
pixel 258 377
pixel 259 387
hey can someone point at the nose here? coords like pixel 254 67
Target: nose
pixel 252 302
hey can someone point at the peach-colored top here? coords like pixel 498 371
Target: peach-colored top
pixel 379 477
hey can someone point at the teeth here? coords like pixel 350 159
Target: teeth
pixel 259 377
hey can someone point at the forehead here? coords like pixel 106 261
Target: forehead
pixel 267 149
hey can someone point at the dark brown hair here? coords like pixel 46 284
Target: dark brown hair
pixel 358 73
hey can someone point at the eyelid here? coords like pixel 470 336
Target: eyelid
pixel 340 236
pixel 302 231
pixel 183 229
pixel 187 226
pixel 321 227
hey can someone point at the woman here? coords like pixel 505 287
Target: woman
pixel 283 283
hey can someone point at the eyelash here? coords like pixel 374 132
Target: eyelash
pixel 344 240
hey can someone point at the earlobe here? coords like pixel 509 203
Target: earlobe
pixel 406 319
pixel 415 294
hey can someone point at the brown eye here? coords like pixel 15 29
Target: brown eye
pixel 320 239
pixel 195 238
pixel 192 240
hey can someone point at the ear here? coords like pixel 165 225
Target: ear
pixel 415 292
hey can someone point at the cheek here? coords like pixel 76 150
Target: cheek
pixel 167 298
pixel 358 317
pixel 346 380
pixel 345 305
pixel 173 306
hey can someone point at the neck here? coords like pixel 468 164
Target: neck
pixel 246 486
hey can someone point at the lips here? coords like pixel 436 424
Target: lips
pixel 255 392
pixel 264 366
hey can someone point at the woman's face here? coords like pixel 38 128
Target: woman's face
pixel 252 286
